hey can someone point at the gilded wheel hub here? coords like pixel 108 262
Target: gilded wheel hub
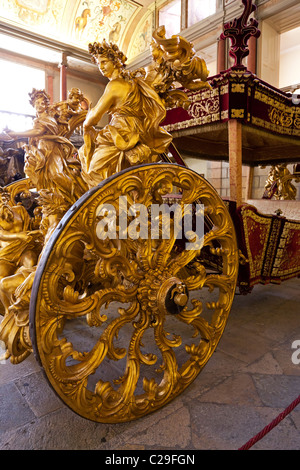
pixel 160 294
pixel 172 296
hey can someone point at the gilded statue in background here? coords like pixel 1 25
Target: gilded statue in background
pixel 136 103
pixel 279 183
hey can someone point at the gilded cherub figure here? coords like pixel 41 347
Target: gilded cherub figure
pixel 64 111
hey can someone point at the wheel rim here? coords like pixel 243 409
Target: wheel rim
pixel 166 307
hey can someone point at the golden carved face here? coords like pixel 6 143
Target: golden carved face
pixel 40 105
pixel 75 100
pixel 106 66
pixel 75 97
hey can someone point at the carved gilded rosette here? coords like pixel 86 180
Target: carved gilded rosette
pixel 123 323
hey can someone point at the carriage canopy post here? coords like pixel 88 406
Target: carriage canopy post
pixel 239 31
pixel 235 159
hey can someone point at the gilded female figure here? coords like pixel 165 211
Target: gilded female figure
pixel 133 135
pixel 136 103
pixel 47 152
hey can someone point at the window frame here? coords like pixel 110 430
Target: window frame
pixel 187 13
pixel 184 13
pixel 163 5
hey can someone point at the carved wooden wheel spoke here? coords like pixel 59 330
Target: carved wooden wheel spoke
pixel 123 316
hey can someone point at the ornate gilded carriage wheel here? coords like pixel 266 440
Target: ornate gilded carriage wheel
pixel 122 323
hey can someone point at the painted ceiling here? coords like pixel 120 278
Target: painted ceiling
pixel 127 23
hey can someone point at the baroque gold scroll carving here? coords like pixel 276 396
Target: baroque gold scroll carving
pixel 121 287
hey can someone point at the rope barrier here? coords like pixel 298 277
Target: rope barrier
pixel 270 426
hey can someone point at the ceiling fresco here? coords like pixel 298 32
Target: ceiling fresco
pixel 127 23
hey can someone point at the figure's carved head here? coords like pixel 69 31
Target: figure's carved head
pixel 39 95
pixel 4 196
pixel 75 97
pixel 75 93
pixel 104 50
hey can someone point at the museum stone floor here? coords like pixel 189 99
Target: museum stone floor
pixel 252 377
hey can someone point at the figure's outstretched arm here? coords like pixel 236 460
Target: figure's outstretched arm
pixel 35 132
pixel 9 236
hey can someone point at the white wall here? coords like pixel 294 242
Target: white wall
pixel 91 90
pixel 289 71
pixel 269 55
